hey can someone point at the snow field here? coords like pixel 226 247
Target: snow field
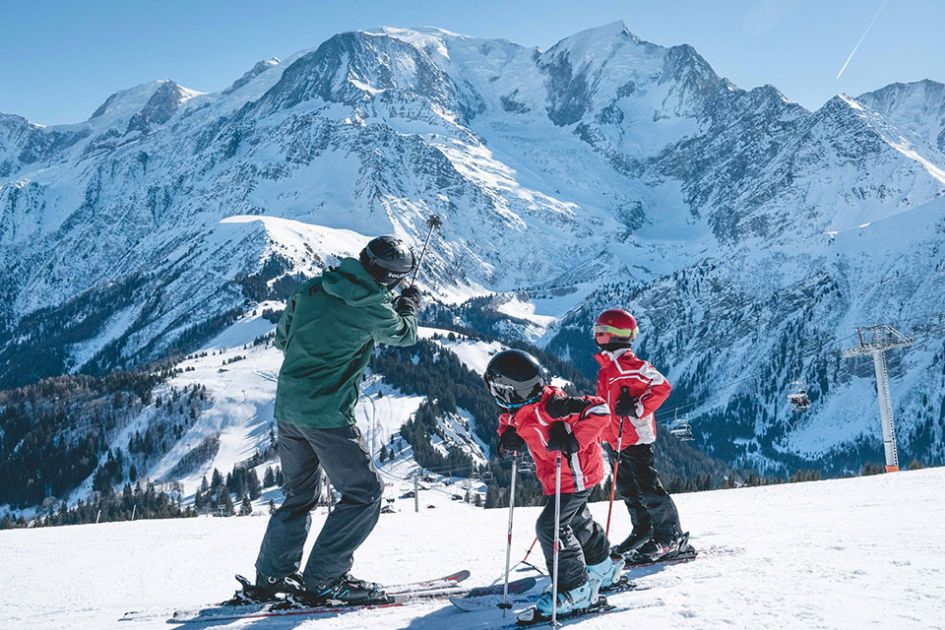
pixel 853 553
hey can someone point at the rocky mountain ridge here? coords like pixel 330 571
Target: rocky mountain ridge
pixel 607 167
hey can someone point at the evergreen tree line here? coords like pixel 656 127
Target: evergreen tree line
pixel 39 346
pixel 133 502
pixel 417 432
pixel 53 432
pixel 215 496
pixel 271 282
pixel 174 415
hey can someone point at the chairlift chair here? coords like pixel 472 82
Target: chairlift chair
pixel 798 396
pixel 682 429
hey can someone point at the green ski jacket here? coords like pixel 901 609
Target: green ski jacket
pixel 327 333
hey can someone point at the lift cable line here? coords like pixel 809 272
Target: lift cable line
pixel 924 318
pixel 875 341
pixel 665 413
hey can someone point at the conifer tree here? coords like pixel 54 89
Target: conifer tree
pixel 227 503
pixel 246 506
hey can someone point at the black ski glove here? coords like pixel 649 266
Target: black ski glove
pixel 409 302
pixel 509 442
pixel 626 405
pixel 561 406
pixel 560 439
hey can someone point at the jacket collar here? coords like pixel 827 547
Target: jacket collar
pixel 516 415
pixel 606 356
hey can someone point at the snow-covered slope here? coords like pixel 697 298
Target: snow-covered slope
pixel 605 159
pixel 239 369
pixel 851 553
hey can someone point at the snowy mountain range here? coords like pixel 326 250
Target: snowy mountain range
pixel 748 233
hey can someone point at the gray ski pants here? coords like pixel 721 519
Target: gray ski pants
pixel 345 458
pixel 582 540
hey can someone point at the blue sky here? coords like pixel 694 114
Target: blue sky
pixel 60 60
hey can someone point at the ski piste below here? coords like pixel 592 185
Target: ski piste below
pixel 289 608
pixel 397 595
pixel 736 576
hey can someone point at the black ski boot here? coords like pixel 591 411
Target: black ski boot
pixel 346 588
pixel 265 589
pixel 655 551
pixel 635 540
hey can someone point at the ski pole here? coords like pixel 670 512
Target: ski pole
pixel 524 559
pixel 505 605
pixel 554 578
pixel 613 483
pixel 433 222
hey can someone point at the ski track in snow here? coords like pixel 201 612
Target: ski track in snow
pixel 852 553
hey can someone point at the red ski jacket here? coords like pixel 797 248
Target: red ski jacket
pixel 647 386
pixel 584 469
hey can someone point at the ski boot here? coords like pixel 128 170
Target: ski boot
pixel 606 574
pixel 655 551
pixel 636 539
pixel 576 598
pixel 345 589
pixel 265 589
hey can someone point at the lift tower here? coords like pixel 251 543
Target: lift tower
pixel 875 340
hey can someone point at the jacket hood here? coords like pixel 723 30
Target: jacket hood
pixel 351 283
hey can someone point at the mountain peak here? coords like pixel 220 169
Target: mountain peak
pixel 917 107
pixel 610 30
pixel 156 100
pixel 595 45
pixel 127 102
pixel 252 73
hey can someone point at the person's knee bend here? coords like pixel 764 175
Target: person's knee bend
pixel 545 528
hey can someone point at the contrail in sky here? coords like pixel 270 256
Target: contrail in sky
pixel 862 37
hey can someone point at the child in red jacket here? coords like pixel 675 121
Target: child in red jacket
pixel 634 389
pixel 546 421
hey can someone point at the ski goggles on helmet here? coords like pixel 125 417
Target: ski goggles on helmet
pixel 602 329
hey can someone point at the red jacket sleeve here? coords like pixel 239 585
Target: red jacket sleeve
pixel 588 425
pixel 656 392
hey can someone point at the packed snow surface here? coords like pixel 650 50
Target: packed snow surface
pixel 852 553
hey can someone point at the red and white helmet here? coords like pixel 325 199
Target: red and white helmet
pixel 615 327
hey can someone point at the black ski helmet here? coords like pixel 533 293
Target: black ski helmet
pixel 514 378
pixel 388 259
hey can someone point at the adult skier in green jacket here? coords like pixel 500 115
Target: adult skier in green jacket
pixel 327 333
